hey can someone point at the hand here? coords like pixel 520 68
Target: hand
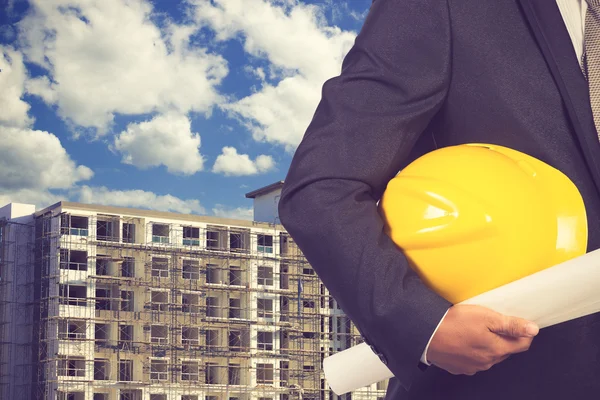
pixel 473 338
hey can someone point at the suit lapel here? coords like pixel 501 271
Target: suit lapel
pixel 555 43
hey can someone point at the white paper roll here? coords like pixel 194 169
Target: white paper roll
pixel 353 368
pixel 558 294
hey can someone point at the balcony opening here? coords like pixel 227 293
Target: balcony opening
pixel 102 335
pixel 265 243
pixel 189 371
pixel 235 275
pixel 126 375
pixel 104 265
pixel 191 269
pixel 284 240
pixel 103 299
pixel 212 307
pixel 265 308
pixel 158 370
pixel 128 233
pixel 160 233
pixel 74 260
pixel 127 300
pixel 213 274
pixel 308 304
pixel 130 394
pixel 284 373
pixel 216 238
pixel 190 303
pixel 264 373
pixel 235 341
pixel 71 366
pixel 234 374
pixel 160 300
pixel 101 370
pixel 128 267
pixel 74 225
pixel 212 339
pixel 73 295
pixel 284 340
pixel 126 337
pixel 235 308
pixel 284 280
pixel 284 305
pixel 265 341
pixel 239 241
pixel 70 395
pixel 265 276
pixel 212 374
pixel 160 267
pixel 191 236
pixel 239 340
pixel 71 329
pixel 107 229
pixel 159 334
pixel 189 336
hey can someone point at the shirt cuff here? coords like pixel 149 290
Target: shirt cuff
pixel 424 356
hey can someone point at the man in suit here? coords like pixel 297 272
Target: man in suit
pixel 425 74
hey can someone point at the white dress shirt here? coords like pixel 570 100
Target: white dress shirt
pixel 573 13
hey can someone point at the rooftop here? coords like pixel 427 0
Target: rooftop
pixel 135 212
pixel 264 190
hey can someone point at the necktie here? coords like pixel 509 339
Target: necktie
pixel 591 57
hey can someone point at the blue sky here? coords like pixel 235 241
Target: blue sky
pixel 171 105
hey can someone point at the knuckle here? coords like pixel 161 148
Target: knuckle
pixel 514 326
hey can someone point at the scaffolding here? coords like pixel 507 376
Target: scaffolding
pixel 16 309
pixel 136 307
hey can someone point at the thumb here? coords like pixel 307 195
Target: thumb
pixel 515 327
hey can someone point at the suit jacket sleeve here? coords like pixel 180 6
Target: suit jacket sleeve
pixel 393 81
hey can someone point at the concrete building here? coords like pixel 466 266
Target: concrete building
pixel 110 303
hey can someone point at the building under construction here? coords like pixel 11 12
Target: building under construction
pixel 109 303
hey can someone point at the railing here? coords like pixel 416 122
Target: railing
pixel 71 335
pixel 73 266
pixel 74 231
pixel 159 340
pixel 191 242
pixel 160 239
pixel 187 376
pixel 159 376
pixel 73 301
pixel 265 249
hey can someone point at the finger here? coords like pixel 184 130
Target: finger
pixel 513 326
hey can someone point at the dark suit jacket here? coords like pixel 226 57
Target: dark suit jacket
pixel 424 74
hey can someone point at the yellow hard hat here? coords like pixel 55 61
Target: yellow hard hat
pixel 474 217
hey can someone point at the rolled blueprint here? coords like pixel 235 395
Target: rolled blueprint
pixel 557 294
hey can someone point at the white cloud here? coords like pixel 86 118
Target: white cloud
pixel 38 197
pixel 297 41
pixel 35 168
pixel 108 57
pixel 165 140
pixel 234 213
pixel 33 159
pixel 13 110
pixel 230 163
pixel 136 199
